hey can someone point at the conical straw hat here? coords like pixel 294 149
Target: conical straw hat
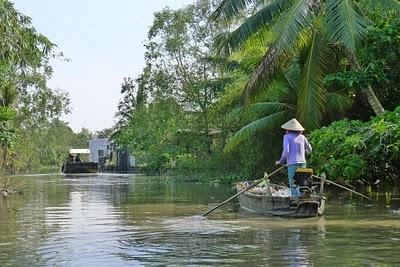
pixel 293 125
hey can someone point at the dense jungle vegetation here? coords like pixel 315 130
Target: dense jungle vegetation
pixel 219 80
pixel 222 76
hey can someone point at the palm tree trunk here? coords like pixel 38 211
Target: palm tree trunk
pixel 368 92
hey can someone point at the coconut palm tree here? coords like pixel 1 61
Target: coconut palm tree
pixel 316 24
pixel 279 103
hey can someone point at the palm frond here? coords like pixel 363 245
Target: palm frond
pixel 223 62
pixel 293 22
pixel 236 113
pixel 267 108
pixel 251 58
pixel 298 18
pixel 338 103
pixel 292 73
pixel 311 102
pixel 384 5
pixel 252 25
pixel 344 25
pixel 257 110
pixel 278 91
pixel 230 8
pixel 265 123
pixel 245 64
pixel 261 108
pixel 263 72
pixel 213 84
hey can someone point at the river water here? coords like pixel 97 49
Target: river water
pixel 133 220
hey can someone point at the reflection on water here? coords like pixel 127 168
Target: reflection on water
pixel 127 220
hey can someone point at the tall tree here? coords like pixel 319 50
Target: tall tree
pixel 177 70
pixel 297 24
pixel 25 53
pixel 29 107
pixel 132 97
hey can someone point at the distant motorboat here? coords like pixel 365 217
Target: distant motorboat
pixel 80 167
pixel 73 163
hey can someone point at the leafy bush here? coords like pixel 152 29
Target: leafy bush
pixel 380 60
pixel 352 150
pixel 7 113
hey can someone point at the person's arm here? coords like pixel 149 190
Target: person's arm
pixel 308 147
pixel 285 152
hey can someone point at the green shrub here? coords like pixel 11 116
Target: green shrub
pixel 7 113
pixel 353 150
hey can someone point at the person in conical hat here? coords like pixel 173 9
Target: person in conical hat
pixel 293 125
pixel 295 148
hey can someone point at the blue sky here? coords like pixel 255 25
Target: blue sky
pixel 104 41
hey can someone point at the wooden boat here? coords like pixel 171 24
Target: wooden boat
pixel 264 200
pixel 80 167
pixel 73 165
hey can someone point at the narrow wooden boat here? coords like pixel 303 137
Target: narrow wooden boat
pixel 267 200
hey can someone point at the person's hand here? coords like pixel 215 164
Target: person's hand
pixel 277 163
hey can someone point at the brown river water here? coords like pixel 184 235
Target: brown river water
pixel 133 220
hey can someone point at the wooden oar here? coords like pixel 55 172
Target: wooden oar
pixel 343 187
pixel 355 192
pixel 241 192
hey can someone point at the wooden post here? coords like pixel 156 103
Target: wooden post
pixel 321 188
pixel 266 178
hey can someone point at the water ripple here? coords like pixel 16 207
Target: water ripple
pixel 112 220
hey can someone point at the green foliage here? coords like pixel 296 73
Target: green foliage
pixel 382 54
pixel 150 126
pixel 31 135
pixel 354 150
pixel 42 140
pixel 132 98
pixel 25 53
pixel 321 27
pixel 45 149
pixel 295 93
pixel 218 168
pixel 8 94
pixel 7 113
pixel 357 79
pixel 271 66
pixel 39 107
pixel 152 134
pixel 168 111
pixel 379 58
pixel 7 136
pixel 104 133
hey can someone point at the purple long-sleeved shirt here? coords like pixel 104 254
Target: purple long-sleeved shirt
pixel 295 147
